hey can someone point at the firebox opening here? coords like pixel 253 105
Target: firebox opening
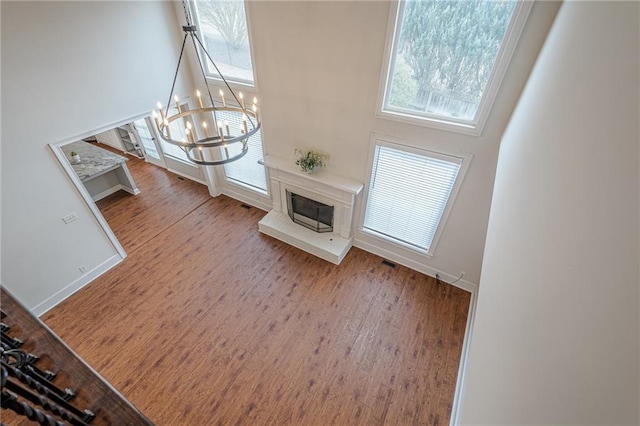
pixel 310 213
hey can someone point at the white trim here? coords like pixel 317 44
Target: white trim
pixel 57 152
pixel 392 254
pixel 253 198
pixel 382 140
pixel 108 192
pixel 501 64
pixel 458 396
pixel 176 172
pixel 76 285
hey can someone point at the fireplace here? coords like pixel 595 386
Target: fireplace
pixel 309 213
pixel 313 212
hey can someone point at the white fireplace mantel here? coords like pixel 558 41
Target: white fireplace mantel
pixel 321 186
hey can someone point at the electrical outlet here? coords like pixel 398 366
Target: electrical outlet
pixel 70 218
pixel 83 269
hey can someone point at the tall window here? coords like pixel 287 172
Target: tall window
pixel 223 25
pixel 409 193
pixel 177 129
pixel 444 56
pixel 246 170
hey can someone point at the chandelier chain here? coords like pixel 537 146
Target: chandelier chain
pixel 201 66
pixel 220 73
pixel 187 13
pixel 175 77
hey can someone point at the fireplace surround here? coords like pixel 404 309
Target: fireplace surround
pixel 325 189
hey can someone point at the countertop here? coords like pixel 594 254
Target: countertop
pixel 94 161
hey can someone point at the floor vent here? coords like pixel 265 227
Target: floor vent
pixel 180 177
pixel 388 263
pixel 246 206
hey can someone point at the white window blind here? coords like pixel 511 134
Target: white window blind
pixel 177 129
pixel 408 194
pixel 245 170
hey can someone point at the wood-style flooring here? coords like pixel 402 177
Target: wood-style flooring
pixel 209 322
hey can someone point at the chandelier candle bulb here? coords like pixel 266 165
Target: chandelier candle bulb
pixel 255 100
pixel 220 132
pixel 166 125
pixel 206 131
pixel 226 124
pixel 224 103
pixel 161 111
pixel 155 118
pixel 255 112
pixel 199 98
pixel 178 104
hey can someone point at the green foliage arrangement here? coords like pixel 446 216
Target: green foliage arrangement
pixel 310 160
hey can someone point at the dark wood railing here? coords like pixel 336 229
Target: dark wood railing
pixel 45 382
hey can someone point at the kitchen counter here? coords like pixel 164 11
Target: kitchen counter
pixel 102 172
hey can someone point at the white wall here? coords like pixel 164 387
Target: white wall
pixel 68 68
pixel 318 67
pixel 556 332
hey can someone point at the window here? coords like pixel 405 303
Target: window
pixel 409 194
pixel 246 170
pixel 447 59
pixel 223 26
pixel 177 129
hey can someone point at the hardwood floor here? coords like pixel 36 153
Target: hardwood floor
pixel 210 322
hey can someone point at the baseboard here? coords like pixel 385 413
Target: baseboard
pixel 108 192
pixel 76 285
pixel 245 198
pixel 184 175
pixel 456 409
pixel 418 266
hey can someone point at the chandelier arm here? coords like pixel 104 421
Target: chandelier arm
pixel 220 74
pixel 204 76
pixel 175 77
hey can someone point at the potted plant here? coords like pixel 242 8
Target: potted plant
pixel 310 160
pixel 75 158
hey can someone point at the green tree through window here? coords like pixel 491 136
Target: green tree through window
pixel 450 48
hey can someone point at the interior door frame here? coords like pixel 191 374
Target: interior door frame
pixel 154 137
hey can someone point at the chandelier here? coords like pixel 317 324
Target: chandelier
pixel 206 137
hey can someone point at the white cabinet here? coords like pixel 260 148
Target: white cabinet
pixel 123 138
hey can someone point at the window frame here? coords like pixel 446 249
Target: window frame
pixel 212 79
pixel 386 141
pixel 172 107
pixel 246 185
pixel 503 59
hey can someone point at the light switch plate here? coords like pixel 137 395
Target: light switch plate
pixel 70 218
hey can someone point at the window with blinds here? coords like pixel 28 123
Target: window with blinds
pixel 246 170
pixel 408 193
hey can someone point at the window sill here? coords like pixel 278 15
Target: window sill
pixel 435 123
pixel 381 238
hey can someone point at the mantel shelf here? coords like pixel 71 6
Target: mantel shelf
pixel 321 176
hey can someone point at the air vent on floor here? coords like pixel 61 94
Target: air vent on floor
pixel 388 263
pixel 180 177
pixel 246 206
